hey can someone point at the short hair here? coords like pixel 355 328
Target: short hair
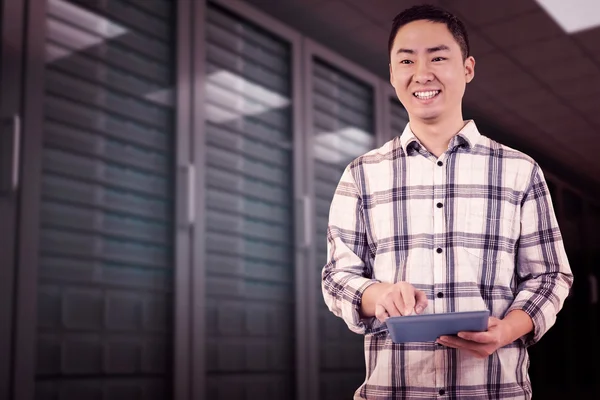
pixel 433 14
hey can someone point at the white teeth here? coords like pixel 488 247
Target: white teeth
pixel 426 95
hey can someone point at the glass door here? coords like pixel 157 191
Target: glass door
pixel 11 24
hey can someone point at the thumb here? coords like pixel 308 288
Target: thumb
pixel 381 313
pixel 421 299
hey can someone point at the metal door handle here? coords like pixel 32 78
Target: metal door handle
pixel 16 151
pixel 10 147
pixel 191 211
pixel 186 195
pixel 593 289
pixel 307 215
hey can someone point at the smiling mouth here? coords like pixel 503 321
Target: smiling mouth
pixel 426 95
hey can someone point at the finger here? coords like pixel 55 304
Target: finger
pixel 421 299
pixel 460 343
pixel 398 302
pixel 448 343
pixel 390 306
pixel 457 343
pixel 408 295
pixel 479 337
pixel 473 348
pixel 380 313
pixel 492 321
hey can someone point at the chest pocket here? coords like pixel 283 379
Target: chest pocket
pixel 485 254
pixel 485 232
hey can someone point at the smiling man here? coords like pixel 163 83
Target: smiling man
pixel 443 219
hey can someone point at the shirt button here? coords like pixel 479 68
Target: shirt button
pixel 439 250
pixel 440 205
pixel 439 163
pixel 440 295
pixel 442 392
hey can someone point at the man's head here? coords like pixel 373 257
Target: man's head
pixel 430 63
pixel 432 14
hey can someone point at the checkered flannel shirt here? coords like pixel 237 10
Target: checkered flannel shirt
pixel 474 229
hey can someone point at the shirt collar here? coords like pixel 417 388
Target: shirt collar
pixel 469 135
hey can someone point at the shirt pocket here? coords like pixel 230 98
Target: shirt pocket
pixel 485 253
pixel 486 234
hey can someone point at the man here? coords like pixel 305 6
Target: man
pixel 443 219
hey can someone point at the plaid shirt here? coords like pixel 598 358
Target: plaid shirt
pixel 474 229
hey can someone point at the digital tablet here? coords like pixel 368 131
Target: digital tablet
pixel 429 327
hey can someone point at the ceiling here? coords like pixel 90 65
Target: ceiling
pixel 534 81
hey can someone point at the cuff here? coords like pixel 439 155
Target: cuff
pixel 351 300
pixel 531 306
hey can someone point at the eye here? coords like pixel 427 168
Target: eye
pixel 406 62
pixel 439 59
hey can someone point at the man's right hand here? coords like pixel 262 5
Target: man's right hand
pixel 384 300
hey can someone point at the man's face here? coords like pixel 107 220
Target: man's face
pixel 428 72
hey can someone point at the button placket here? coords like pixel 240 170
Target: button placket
pixel 438 221
pixel 439 260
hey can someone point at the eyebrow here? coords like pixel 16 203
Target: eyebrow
pixel 430 50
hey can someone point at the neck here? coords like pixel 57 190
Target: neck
pixel 435 135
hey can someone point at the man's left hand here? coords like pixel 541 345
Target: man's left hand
pixel 480 344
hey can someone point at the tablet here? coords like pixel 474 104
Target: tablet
pixel 429 327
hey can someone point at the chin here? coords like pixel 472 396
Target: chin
pixel 427 116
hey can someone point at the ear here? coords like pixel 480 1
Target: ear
pixel 469 69
pixel 391 75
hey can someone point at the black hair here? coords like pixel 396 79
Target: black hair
pixel 433 14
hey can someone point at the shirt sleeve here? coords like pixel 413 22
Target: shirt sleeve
pixel 543 270
pixel 347 273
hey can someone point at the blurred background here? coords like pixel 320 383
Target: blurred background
pixel 166 169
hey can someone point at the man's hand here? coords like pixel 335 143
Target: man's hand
pixel 386 300
pixel 400 299
pixel 481 344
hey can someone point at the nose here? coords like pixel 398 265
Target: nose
pixel 423 74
